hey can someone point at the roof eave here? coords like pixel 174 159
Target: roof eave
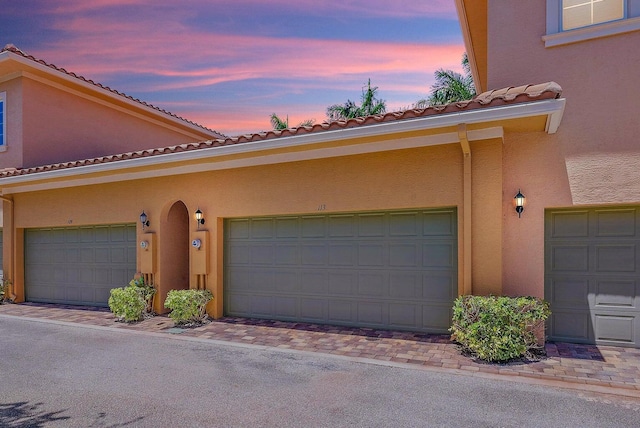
pixel 551 108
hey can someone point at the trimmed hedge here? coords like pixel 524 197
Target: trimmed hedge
pixel 132 303
pixel 498 329
pixel 188 306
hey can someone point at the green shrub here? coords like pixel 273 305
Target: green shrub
pixel 132 303
pixel 127 304
pixel 498 328
pixel 147 291
pixel 188 306
pixel 5 284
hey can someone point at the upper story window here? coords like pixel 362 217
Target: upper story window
pixel 571 21
pixel 3 125
pixel 582 13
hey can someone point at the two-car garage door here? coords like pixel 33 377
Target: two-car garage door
pixel 393 270
pixel 78 265
pixel 592 275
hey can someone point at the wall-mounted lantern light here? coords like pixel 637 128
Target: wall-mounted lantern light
pixel 199 218
pixel 144 220
pixel 519 198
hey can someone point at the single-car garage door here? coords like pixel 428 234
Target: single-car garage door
pixel 78 265
pixel 592 275
pixel 395 270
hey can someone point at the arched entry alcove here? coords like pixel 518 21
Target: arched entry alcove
pixel 174 252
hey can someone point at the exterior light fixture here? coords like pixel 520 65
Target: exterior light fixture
pixel 199 217
pixel 519 198
pixel 144 220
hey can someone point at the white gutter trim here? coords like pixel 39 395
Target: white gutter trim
pixel 514 111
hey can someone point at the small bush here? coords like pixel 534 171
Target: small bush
pixel 127 304
pixel 188 306
pixel 5 285
pixel 132 303
pixel 498 329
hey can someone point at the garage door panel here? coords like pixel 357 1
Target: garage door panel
pixel 616 223
pixel 615 328
pixel 371 225
pixel 262 229
pixel 315 254
pixel 344 255
pixel 439 255
pixel 438 287
pixel 405 285
pixel 616 293
pixel 373 284
pixel 574 325
pixel 342 226
pixel 435 317
pixel 314 310
pixel 78 265
pixel 372 313
pixel 404 224
pixel 313 227
pixel 342 283
pixel 342 311
pixel 592 271
pixel 404 255
pixel 616 258
pixel 404 315
pixel 286 306
pixel 371 254
pixel 238 229
pixel 438 224
pixel 287 227
pixel 570 224
pixel 570 292
pixel 287 254
pixel 314 282
pixel 362 269
pixel 262 305
pixel 286 281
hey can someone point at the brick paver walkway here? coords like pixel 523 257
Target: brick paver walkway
pixel 586 367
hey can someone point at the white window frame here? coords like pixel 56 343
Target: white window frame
pixel 3 125
pixel 556 36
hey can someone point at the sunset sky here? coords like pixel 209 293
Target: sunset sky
pixel 229 64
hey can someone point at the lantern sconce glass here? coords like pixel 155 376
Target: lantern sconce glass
pixel 519 198
pixel 199 217
pixel 144 219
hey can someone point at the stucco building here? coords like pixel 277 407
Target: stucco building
pixel 380 221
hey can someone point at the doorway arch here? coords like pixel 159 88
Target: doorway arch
pixel 174 252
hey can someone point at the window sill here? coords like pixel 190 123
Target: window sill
pixel 592 32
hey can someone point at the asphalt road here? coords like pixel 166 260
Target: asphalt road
pixel 68 376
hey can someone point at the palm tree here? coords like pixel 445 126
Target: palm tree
pixel 450 86
pixel 370 105
pixel 278 124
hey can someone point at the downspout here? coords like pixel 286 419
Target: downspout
pixel 466 210
pixel 11 247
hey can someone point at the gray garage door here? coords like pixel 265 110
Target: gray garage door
pixel 78 265
pixel 395 270
pixel 592 276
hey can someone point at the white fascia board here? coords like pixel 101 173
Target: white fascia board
pixel 476 116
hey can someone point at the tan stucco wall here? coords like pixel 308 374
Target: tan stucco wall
pixel 592 160
pixel 12 156
pixel 411 178
pixel 60 126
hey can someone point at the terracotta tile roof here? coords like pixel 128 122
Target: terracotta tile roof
pixel 500 97
pixel 17 51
